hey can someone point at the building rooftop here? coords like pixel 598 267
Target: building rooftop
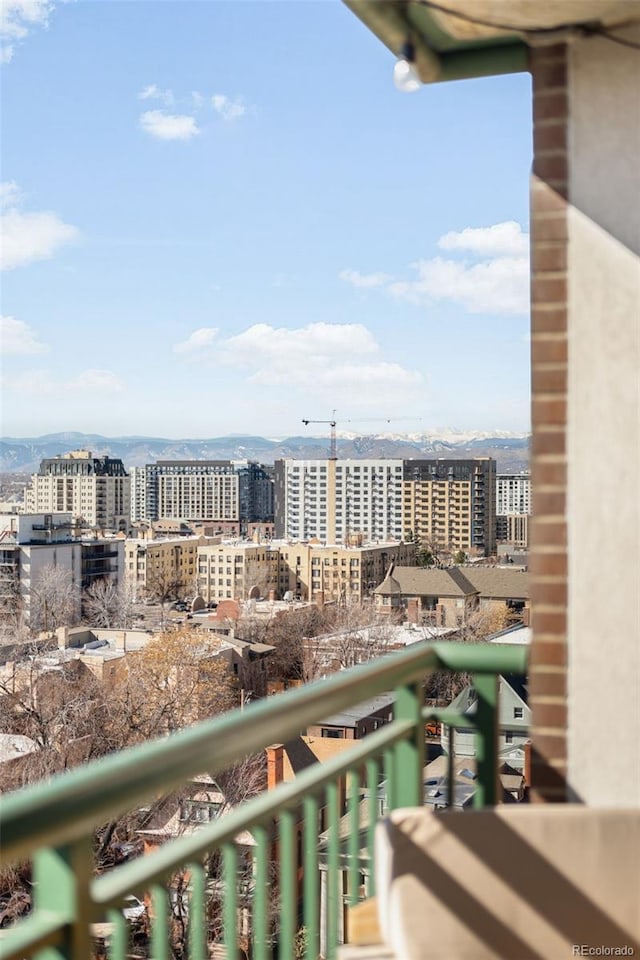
pixel 349 718
pixel 14 745
pixel 497 582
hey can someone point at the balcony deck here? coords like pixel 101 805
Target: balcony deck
pixel 280 910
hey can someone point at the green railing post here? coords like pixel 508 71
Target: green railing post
pixel 486 739
pixel 288 886
pixel 62 876
pixel 260 919
pixel 353 837
pixel 409 753
pixel 230 899
pixel 197 928
pixel 311 877
pixel 373 812
pixel 334 893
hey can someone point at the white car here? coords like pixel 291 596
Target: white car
pixel 134 908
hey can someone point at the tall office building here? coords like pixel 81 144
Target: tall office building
pixel 450 503
pixel 95 490
pixel 221 490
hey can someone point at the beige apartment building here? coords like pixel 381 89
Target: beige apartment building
pixel 450 505
pixel 438 513
pixel 237 571
pixel 313 571
pixel 94 490
pixel 513 528
pixel 309 571
pixel 164 569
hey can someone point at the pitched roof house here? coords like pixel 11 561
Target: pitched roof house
pixel 447 597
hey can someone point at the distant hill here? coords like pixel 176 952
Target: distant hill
pixel 511 451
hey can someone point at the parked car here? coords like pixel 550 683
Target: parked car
pixel 134 908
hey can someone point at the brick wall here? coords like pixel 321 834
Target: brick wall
pixel 548 559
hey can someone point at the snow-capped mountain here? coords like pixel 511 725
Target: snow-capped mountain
pixel 510 450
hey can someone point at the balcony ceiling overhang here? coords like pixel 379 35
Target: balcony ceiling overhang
pixel 456 39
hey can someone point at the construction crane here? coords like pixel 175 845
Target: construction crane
pixel 333 455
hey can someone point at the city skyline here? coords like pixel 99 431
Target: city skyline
pixel 245 224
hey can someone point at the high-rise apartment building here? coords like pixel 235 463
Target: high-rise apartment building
pixel 335 500
pixel 94 490
pixel 449 503
pixel 221 490
pixel 513 508
pixel 45 568
pixel 513 493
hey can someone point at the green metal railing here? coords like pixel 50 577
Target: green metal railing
pixel 312 837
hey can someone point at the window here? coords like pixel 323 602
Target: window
pixel 332 732
pixel 195 811
pixel 508 737
pixel 518 713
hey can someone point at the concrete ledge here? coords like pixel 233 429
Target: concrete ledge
pixel 525 882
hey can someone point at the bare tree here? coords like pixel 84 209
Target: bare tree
pixel 108 604
pixel 260 575
pixel 245 779
pixel 286 633
pixel 54 600
pixel 59 705
pixel 163 586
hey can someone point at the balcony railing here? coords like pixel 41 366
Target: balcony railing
pixel 328 813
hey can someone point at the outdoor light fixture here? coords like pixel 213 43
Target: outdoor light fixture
pixel 405 75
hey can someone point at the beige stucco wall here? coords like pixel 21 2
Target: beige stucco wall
pixel 603 422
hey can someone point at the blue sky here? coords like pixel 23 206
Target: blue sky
pixel 222 218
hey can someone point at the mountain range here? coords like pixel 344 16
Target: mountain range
pixel 510 450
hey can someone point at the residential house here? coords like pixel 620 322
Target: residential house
pixel 450 596
pixel 514 721
pixel 356 722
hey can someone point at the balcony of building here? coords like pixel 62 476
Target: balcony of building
pixel 285 875
pixel 300 886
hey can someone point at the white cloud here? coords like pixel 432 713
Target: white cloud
pixel 199 340
pixel 317 357
pixel 285 348
pixel 167 126
pixel 493 276
pixel 153 92
pixel 17 19
pixel 27 237
pixel 227 108
pixel 17 337
pixel 364 280
pixel 500 239
pixel 492 286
